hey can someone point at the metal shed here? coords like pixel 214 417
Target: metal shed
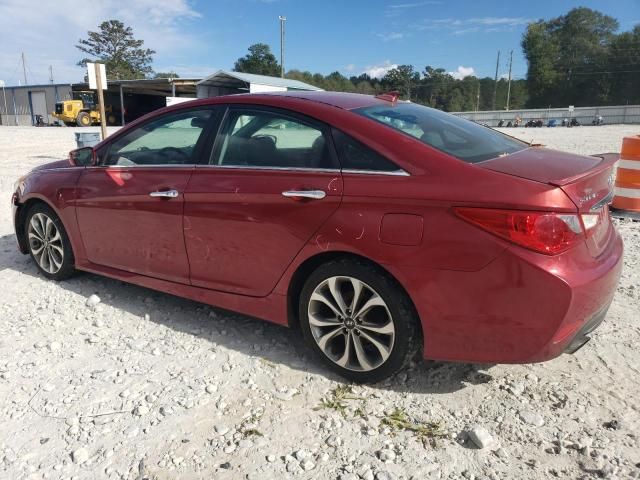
pixel 20 104
pixel 134 98
pixel 224 82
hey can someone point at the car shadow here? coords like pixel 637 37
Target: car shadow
pixel 239 332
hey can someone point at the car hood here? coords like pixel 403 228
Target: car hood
pixel 544 165
pixel 52 165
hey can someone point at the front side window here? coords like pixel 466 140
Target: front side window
pixel 269 139
pixel 456 136
pixel 168 140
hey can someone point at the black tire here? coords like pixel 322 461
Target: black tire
pixel 405 320
pixel 67 268
pixel 83 119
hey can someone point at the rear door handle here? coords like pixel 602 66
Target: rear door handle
pixel 165 194
pixel 312 194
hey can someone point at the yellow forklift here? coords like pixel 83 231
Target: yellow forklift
pixel 82 110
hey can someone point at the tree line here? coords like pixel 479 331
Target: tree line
pixel 575 59
pixel 579 59
pixel 432 86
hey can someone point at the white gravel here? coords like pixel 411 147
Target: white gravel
pixel 139 384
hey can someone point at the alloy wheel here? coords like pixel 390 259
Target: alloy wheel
pixel 351 323
pixel 45 243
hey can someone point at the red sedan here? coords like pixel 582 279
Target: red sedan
pixel 379 227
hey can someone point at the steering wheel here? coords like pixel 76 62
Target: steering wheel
pixel 165 151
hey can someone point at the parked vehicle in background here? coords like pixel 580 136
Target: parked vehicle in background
pixel 379 227
pixel 534 123
pixel 82 110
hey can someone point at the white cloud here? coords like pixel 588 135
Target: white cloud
pixel 48 36
pixel 387 37
pixel 462 72
pixel 350 68
pixel 462 31
pixel 380 70
pixel 400 6
pixel 511 21
pixel 459 26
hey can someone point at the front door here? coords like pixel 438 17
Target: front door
pixel 271 183
pixel 130 205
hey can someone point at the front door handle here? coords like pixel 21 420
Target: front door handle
pixel 165 194
pixel 312 194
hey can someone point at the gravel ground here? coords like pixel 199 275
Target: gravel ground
pixel 139 384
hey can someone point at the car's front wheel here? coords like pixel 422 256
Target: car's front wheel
pixel 358 320
pixel 48 242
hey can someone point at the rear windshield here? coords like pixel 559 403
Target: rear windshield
pixel 456 136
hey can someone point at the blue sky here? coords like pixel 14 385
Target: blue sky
pixel 196 37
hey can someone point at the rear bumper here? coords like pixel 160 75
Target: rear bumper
pixel 521 308
pixel 583 336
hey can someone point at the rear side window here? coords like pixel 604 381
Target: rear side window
pixel 356 156
pixel 267 139
pixel 456 136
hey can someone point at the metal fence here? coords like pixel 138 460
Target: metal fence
pixel 585 115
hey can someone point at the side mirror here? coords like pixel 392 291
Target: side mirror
pixel 199 122
pixel 82 157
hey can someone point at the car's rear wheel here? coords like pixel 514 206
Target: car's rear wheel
pixel 48 242
pixel 358 320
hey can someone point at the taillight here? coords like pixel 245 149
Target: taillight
pixel 543 232
pixel 596 224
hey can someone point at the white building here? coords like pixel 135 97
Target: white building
pixel 224 82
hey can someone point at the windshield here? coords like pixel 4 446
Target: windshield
pixel 456 136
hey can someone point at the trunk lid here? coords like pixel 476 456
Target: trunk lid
pixel 544 165
pixel 586 180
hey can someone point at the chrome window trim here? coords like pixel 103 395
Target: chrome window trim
pixel 394 173
pixel 155 165
pixel 261 167
pixel 56 169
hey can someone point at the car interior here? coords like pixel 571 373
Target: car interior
pixel 267 141
pixel 161 142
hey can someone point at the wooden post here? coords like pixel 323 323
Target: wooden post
pixel 103 120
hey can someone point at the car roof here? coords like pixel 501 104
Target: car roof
pixel 343 100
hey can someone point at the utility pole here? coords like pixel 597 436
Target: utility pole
pixel 282 20
pixel 50 74
pixel 495 84
pixel 509 85
pixel 478 97
pixel 24 69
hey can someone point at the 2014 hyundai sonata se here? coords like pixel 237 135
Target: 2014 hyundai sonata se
pixel 380 227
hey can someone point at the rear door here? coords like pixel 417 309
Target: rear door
pixel 130 206
pixel 272 181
